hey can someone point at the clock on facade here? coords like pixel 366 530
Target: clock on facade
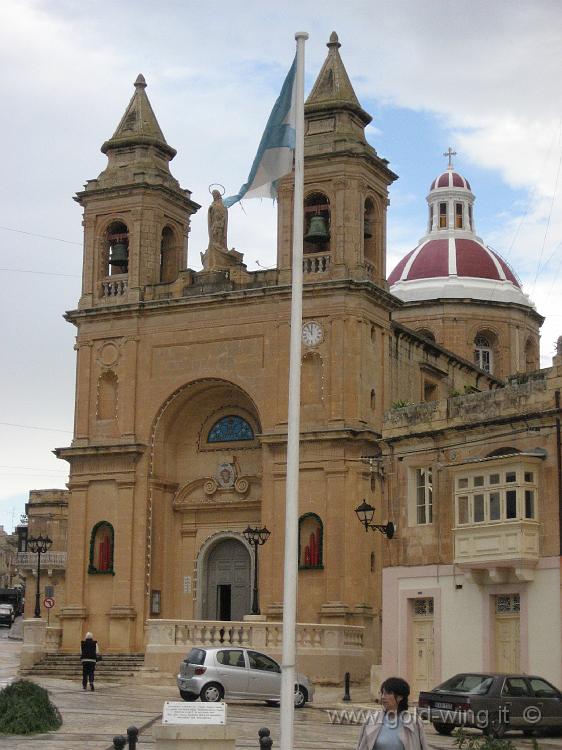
pixel 312 333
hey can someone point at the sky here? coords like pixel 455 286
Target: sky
pixel 482 76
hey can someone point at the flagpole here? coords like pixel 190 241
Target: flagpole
pixel 288 674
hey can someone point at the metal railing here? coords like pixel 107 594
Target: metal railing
pixel 48 560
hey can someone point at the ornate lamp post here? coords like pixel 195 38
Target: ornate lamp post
pixel 256 537
pixel 365 513
pixel 38 545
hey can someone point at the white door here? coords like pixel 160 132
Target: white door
pixel 422 646
pixel 507 633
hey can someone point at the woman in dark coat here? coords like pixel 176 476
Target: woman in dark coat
pixel 89 655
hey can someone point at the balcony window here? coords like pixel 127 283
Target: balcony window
pixel 496 496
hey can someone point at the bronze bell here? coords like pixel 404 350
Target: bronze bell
pixel 367 229
pixel 317 230
pixel 119 255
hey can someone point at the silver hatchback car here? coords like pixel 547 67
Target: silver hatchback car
pixel 216 673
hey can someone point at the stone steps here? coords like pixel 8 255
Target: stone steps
pixel 112 667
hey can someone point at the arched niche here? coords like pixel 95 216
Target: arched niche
pixel 311 541
pixel 531 356
pixel 181 427
pixel 101 549
pixel 107 396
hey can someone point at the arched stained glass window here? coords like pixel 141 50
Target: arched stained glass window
pixel 230 429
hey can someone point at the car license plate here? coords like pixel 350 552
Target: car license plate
pixel 443 705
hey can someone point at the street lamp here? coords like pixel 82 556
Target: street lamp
pixel 38 545
pixel 256 537
pixel 365 513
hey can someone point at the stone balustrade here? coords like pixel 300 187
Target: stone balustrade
pixel 49 560
pixel 169 641
pixel 316 263
pixel 114 286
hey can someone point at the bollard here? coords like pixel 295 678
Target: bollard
pixel 265 740
pixel 132 736
pixel 346 696
pixel 119 742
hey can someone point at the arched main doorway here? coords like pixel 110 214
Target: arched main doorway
pixel 227 581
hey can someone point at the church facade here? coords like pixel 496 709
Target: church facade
pixel 181 416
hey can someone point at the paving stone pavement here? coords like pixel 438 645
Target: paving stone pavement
pixel 91 720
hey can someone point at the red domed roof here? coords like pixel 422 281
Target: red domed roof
pixel 450 179
pixel 452 256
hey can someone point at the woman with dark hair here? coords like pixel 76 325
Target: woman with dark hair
pixel 393 728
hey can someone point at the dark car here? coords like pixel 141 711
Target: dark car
pixel 494 703
pixel 6 615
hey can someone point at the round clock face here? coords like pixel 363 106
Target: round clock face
pixel 312 333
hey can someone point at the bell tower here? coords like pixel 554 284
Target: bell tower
pixel 136 215
pixel 345 185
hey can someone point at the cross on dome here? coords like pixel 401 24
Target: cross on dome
pixel 450 153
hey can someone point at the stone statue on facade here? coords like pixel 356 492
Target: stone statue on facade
pixel 217 221
pixel 217 256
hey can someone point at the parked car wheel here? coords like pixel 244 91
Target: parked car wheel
pixel 444 729
pixel 187 696
pixel 301 697
pixel 496 727
pixel 212 693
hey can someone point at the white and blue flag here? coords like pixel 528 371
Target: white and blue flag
pixel 275 152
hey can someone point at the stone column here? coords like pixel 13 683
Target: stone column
pixel 338 227
pixel 185 555
pixel 285 230
pixel 83 394
pixel 122 612
pixel 73 613
pixel 333 610
pixel 89 292
pixel 127 388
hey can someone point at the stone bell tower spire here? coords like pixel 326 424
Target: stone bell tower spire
pixel 346 185
pixel 136 215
